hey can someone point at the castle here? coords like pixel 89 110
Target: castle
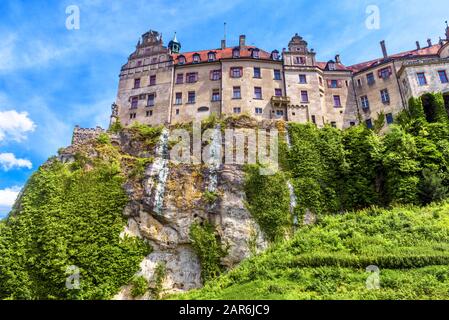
pixel 161 85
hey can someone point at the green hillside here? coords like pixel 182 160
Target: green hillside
pixel 329 260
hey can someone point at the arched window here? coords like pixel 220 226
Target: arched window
pixel 236 53
pixel 203 109
pixel 255 53
pixel 182 59
pixel 275 55
pixel 211 56
pixel 196 58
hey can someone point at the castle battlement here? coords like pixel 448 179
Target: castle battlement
pixel 81 135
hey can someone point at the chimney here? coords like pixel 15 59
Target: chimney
pixel 429 42
pixel 418 46
pixel 223 44
pixel 337 59
pixel 242 40
pixel 384 49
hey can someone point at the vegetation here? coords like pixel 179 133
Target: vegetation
pixel 209 249
pixel 329 260
pixel 159 276
pixel 139 286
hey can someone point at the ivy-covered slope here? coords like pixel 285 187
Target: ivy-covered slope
pixel 409 245
pixel 69 220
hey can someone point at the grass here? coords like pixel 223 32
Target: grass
pixel 329 260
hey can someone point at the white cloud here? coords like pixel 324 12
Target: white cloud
pixel 14 125
pixel 8 196
pixel 9 161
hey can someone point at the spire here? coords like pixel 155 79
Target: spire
pixel 174 45
pixel 447 31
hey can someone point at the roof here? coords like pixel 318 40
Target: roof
pixel 338 66
pixel 245 52
pixel 428 51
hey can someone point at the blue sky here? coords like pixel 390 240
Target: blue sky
pixel 52 78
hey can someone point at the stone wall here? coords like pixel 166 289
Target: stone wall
pixel 82 135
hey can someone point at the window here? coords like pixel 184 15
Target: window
pixel 255 54
pixel 211 56
pixel 300 60
pixel 237 110
pixel 385 73
pixel 177 111
pixel 236 94
pixel 258 93
pixel 337 101
pixel 313 119
pixel 191 77
pixel 443 76
pixel 149 113
pixel 132 115
pixel 333 124
pixel 370 79
pixel 203 109
pixel 422 81
pixel 303 78
pixel 150 102
pixel 389 117
pixel 134 102
pixel 216 95
pixel 236 72
pixel 196 58
pixel 258 111
pixel 369 123
pixel 136 83
pixel 280 113
pixel 334 84
pixel 304 96
pixel 257 73
pixel 139 63
pixel 331 66
pixel 321 81
pixel 275 55
pixel 352 123
pixel 215 75
pixel 277 74
pixel 192 97
pixel 359 83
pixel 385 96
pixel 236 53
pixel 365 102
pixel 179 78
pixel 182 59
pixel 152 80
pixel 178 99
pixel 278 92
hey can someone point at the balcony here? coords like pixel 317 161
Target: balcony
pixel 280 100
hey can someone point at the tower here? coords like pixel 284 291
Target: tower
pixel 174 45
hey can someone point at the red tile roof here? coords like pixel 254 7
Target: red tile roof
pixel 428 51
pixel 245 52
pixel 338 66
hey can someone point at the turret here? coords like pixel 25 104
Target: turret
pixel 174 45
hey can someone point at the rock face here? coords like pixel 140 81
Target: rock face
pixel 166 204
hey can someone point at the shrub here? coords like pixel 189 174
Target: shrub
pixel 139 286
pixel 208 248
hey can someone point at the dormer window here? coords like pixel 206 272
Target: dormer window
pixel 331 66
pixel 196 58
pixel 300 60
pixel 255 53
pixel 275 55
pixel 211 56
pixel 182 59
pixel 236 53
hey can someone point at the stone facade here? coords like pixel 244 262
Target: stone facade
pixel 159 85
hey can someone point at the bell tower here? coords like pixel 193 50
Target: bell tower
pixel 174 45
